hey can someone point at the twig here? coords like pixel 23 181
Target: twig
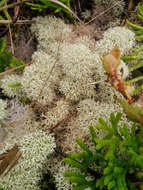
pixel 102 13
pixel 14 19
pixel 16 12
pixel 79 5
pixel 10 35
pixel 93 83
pixel 14 69
pixel 17 22
pixel 68 117
pixel 11 41
pixel 53 1
pixel 12 5
pixel 46 80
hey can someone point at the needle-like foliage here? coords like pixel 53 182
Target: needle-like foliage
pixel 7 59
pixel 44 4
pixel 115 162
pixel 137 56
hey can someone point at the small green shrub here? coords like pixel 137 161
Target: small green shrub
pixel 7 59
pixel 137 52
pixel 5 14
pixel 116 163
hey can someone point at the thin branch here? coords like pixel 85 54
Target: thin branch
pixel 18 22
pixel 11 41
pixel 14 19
pixel 56 60
pixel 12 5
pixel 67 118
pixel 102 13
pixel 53 1
pixel 14 69
pixel 93 83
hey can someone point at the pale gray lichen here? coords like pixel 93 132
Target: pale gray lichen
pixel 50 29
pixel 37 81
pixel 3 111
pixel 77 89
pixel 15 91
pixel 35 148
pixel 77 60
pixel 79 71
pixel 20 121
pixel 117 36
pixel 87 41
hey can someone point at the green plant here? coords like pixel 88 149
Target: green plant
pixel 117 162
pixel 7 59
pixel 1 188
pixel 5 12
pixel 54 5
pixel 137 55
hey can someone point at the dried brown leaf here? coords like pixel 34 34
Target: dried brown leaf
pixel 9 159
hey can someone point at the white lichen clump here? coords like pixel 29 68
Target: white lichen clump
pixel 86 41
pixel 78 63
pixel 20 121
pixel 37 81
pixel 77 89
pixel 49 30
pixel 117 36
pixel 27 173
pixel 15 91
pixel 3 111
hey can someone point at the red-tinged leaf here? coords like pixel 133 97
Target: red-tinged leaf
pixel 111 61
